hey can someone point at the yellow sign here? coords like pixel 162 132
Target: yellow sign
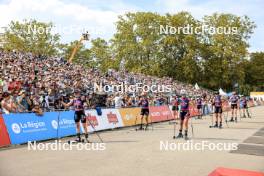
pixel 256 93
pixel 131 116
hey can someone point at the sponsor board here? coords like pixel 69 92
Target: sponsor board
pixel 226 106
pixel 130 116
pixel 4 137
pixel 109 119
pixel 66 125
pixel 160 113
pixel 193 110
pixel 26 127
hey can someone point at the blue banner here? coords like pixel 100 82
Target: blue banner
pixel 66 126
pixel 24 127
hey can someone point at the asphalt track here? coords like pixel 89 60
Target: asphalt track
pixel 129 152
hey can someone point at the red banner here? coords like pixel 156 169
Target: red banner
pixel 193 111
pixel 92 119
pixel 112 118
pixel 160 113
pixel 220 171
pixel 226 106
pixel 4 137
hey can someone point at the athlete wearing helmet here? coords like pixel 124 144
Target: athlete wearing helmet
pixel 234 101
pixel 217 102
pixel 184 115
pixel 79 114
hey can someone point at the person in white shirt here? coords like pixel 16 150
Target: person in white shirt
pixel 118 101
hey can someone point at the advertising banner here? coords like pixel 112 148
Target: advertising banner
pixel 66 126
pixel 160 113
pixel 109 119
pixel 130 116
pixel 4 137
pixel 26 127
pixel 193 111
pixel 226 106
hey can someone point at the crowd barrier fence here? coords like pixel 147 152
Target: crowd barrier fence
pixel 23 127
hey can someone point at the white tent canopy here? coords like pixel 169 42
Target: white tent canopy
pixel 221 92
pixel 196 86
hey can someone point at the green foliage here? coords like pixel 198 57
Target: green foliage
pixel 101 54
pixel 31 36
pixel 82 56
pixel 213 60
pixel 254 71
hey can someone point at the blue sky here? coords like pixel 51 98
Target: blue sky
pixel 99 16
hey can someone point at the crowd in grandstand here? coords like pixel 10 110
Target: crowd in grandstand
pixel 30 83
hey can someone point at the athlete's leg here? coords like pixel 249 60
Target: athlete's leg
pixel 77 119
pixel 147 116
pixel 220 118
pixel 175 114
pixel 77 124
pixel 141 122
pixel 235 109
pixel 216 119
pixel 84 124
pixel 186 120
pixel 182 114
pixel 232 113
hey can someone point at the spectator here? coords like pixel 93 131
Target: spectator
pixel 7 104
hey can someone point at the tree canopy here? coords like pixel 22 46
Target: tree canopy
pixel 213 60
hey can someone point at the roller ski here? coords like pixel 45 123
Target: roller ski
pixel 79 139
pixel 231 120
pixel 180 135
pixel 214 126
pixel 140 128
pixel 186 135
pixel 220 125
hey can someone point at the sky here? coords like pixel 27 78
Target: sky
pixel 99 16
